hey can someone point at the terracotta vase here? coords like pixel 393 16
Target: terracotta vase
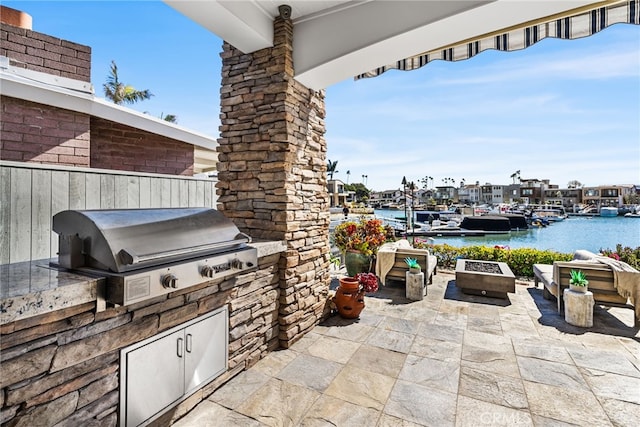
pixel 349 299
pixel 356 262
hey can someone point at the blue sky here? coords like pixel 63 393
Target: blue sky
pixel 560 110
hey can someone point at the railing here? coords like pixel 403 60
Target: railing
pixel 31 193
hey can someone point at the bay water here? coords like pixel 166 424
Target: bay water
pixel 590 233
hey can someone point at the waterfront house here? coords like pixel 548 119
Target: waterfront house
pixel 607 195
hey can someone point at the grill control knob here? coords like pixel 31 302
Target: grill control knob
pixel 169 281
pixel 236 263
pixel 207 271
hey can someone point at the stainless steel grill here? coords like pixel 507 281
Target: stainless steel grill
pixel 144 253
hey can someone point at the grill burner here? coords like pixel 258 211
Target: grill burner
pixel 144 253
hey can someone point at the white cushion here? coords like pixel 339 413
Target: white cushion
pixel 584 255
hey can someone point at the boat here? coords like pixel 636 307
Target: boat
pixel 494 224
pixel 608 211
pixel 549 213
pixel 634 212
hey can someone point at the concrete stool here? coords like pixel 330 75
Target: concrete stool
pixel 578 308
pixel 414 286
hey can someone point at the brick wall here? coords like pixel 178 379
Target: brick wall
pixel 31 132
pixel 40 52
pixel 272 172
pixel 120 147
pixel 64 366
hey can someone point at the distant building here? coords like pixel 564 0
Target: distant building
pixel 607 195
pixel 491 194
pixel 570 198
pixel 338 196
pixel 469 194
pixel 385 198
pixel 446 195
pixel 511 193
pixel 532 190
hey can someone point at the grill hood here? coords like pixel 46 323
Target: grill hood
pixel 121 240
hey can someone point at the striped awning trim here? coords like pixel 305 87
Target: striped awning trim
pixel 577 26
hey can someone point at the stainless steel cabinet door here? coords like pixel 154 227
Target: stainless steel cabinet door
pixel 205 350
pixel 155 377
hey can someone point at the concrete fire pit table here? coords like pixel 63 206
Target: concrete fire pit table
pixel 487 278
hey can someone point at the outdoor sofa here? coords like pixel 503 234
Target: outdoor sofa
pixel 391 265
pixel 604 276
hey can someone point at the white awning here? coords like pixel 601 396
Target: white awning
pixel 582 24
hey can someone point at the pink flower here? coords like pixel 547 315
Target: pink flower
pixel 368 282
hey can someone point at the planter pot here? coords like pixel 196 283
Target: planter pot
pixel 349 299
pixel 576 288
pixel 414 270
pixel 356 262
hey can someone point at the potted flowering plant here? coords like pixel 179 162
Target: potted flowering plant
pixel 360 241
pixel 368 282
pixel 365 236
pixel 349 297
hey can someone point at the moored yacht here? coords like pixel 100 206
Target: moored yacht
pixel 608 211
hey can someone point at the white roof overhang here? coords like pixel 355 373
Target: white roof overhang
pixel 78 96
pixel 336 40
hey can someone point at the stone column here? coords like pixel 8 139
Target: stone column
pixel 272 172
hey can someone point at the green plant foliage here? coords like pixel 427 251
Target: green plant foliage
pixel 624 254
pixel 335 260
pixel 578 278
pixel 412 262
pixel 520 261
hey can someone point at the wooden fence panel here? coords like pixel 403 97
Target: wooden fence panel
pixel 31 194
pixel 93 194
pixel 5 214
pixel 77 190
pixel 41 214
pixel 20 211
pixel 60 199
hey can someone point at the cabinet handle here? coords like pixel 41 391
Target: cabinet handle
pixel 180 347
pixel 188 343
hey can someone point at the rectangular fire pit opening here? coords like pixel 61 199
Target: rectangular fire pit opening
pixel 487 278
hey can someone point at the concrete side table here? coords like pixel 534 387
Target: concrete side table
pixel 578 308
pixel 415 288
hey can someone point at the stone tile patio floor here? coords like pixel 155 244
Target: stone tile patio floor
pixel 448 360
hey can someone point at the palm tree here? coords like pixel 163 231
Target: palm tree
pixel 348 173
pixel 425 181
pixel 171 118
pixel 331 168
pixel 574 184
pixel 120 93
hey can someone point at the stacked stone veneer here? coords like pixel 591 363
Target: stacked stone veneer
pixel 33 132
pixel 272 172
pixel 63 367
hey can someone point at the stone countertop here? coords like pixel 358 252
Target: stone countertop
pixel 269 247
pixel 32 288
